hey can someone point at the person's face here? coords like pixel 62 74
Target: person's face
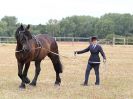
pixel 94 42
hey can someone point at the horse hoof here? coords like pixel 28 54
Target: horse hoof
pixel 57 84
pixel 26 80
pixel 33 84
pixel 22 87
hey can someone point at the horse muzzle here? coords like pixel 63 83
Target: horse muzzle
pixel 25 48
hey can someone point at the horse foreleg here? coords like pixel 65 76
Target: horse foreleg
pixel 20 68
pixel 37 72
pixel 25 78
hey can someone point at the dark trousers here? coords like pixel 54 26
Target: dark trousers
pixel 96 69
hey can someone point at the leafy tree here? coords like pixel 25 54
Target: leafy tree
pixel 10 25
pixel 53 27
pixel 107 26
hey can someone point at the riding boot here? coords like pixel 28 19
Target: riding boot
pixel 85 83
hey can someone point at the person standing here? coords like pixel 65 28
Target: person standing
pixel 94 60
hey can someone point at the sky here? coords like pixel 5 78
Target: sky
pixel 40 11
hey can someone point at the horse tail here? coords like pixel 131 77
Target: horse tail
pixel 59 65
pixel 55 58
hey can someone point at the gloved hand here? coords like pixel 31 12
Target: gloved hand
pixel 104 60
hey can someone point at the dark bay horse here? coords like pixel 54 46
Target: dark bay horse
pixel 35 48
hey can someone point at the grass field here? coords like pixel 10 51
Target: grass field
pixel 116 82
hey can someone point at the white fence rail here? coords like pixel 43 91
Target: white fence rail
pixel 114 41
pixel 7 40
pixel 123 41
pixel 69 39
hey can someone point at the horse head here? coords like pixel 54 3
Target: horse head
pixel 23 35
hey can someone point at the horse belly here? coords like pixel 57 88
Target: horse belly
pixel 40 56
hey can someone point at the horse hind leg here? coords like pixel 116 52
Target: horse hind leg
pixel 57 66
pixel 37 72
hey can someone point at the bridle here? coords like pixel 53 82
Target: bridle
pixel 22 50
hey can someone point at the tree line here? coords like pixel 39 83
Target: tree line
pixel 107 26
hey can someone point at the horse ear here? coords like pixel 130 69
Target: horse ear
pixel 21 26
pixel 28 27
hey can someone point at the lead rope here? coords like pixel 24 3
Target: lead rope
pixel 47 50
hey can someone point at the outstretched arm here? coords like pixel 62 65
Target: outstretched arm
pixel 83 51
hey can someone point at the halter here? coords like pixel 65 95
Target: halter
pixel 20 31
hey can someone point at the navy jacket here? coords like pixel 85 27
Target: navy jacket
pixel 94 57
